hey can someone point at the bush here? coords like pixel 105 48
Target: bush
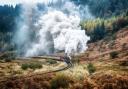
pixel 113 55
pixel 91 69
pixel 60 81
pixel 25 66
pixel 50 61
pixel 35 66
pixel 31 66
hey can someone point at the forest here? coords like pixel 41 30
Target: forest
pixel 109 14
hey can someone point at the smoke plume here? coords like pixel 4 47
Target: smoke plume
pixel 47 28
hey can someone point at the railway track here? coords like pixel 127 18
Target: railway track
pixel 53 58
pixel 7 78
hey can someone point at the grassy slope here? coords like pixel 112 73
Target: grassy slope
pixel 110 73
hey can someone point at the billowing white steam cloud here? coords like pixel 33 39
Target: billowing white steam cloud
pixel 53 29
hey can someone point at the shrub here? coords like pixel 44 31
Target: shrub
pixel 114 55
pixel 35 66
pixel 50 61
pixel 25 66
pixel 91 69
pixel 31 66
pixel 60 81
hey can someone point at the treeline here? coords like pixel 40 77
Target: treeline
pixel 99 8
pixel 105 8
pixel 108 8
pixel 111 16
pixel 100 28
pixel 7 26
pixel 7 17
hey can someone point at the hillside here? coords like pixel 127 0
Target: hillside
pixel 104 47
pixel 103 66
pixel 37 41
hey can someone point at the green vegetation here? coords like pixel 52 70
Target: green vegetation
pixel 111 16
pixel 35 66
pixel 31 66
pixel 114 54
pixel 8 56
pixel 25 66
pixel 99 28
pixel 50 61
pixel 108 23
pixel 108 8
pixel 8 16
pixel 91 69
pixel 60 81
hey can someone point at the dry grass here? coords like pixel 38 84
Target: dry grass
pixel 109 81
pixel 108 75
pixel 78 72
pixel 35 82
pixel 15 67
pixel 61 81
pixel 77 77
